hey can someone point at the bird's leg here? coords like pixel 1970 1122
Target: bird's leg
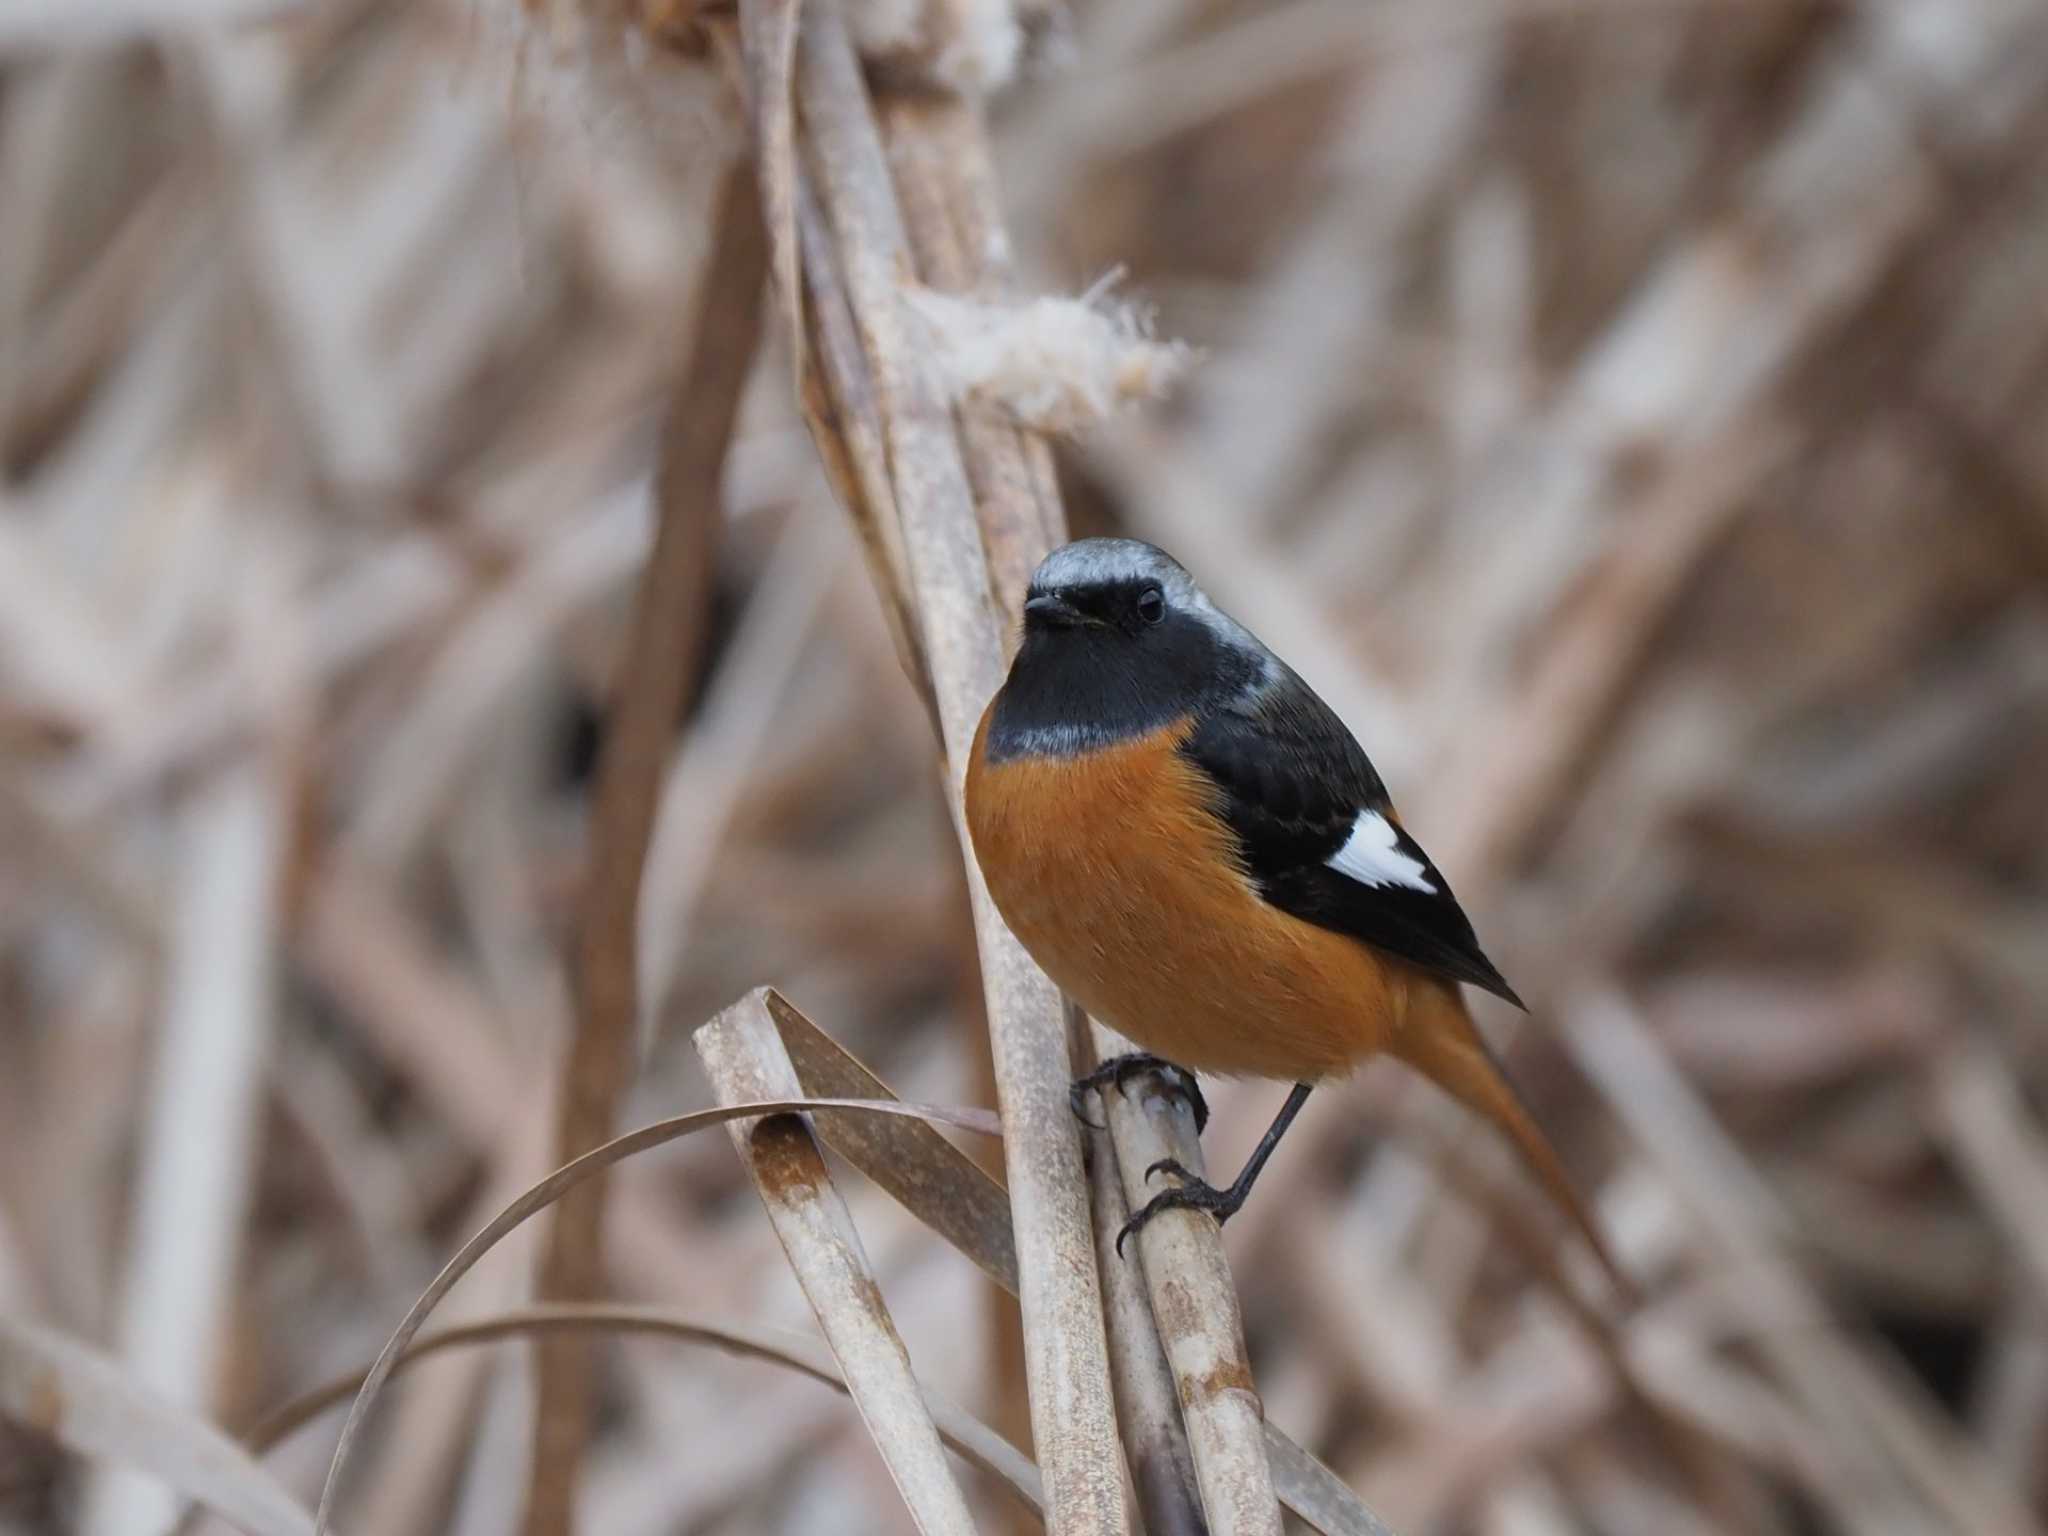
pixel 1121 1069
pixel 1194 1195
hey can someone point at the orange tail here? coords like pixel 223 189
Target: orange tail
pixel 1445 1046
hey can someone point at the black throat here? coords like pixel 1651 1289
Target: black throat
pixel 1076 690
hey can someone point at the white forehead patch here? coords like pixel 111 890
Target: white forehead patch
pixel 1094 562
pixel 1098 562
pixel 1371 855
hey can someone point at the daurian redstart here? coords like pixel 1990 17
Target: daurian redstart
pixel 1196 850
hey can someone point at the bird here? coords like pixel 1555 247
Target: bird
pixel 1195 848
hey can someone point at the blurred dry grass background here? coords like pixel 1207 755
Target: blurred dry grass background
pixel 1629 414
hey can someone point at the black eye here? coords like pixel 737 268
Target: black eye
pixel 1151 605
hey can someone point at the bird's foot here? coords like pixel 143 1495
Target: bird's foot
pixel 1191 1194
pixel 1121 1069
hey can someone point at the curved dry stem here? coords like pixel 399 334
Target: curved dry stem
pixel 965 1434
pixel 566 1178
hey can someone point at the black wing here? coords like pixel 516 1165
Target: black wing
pixel 1292 784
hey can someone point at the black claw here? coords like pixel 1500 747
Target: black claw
pixel 1183 1079
pixel 1121 1069
pixel 1077 1097
pixel 1194 1195
pixel 1191 1196
pixel 1196 1102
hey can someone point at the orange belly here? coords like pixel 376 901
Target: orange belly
pixel 1126 887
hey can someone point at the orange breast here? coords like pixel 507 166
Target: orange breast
pixel 1124 884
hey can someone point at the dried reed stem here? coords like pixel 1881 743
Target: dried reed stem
pixel 90 1405
pixel 197 1171
pixel 940 160
pixel 746 1062
pixel 961 1431
pixel 1148 1405
pixel 1195 1305
pixel 1073 1420
pixel 667 624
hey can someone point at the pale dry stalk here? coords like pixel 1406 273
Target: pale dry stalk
pixel 1073 1420
pixel 202 1133
pixel 1195 1306
pixel 1147 1402
pixel 746 1062
pixel 91 1406
pixel 942 174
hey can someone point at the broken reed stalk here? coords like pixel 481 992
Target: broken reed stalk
pixel 654 676
pixel 1067 1371
pixel 746 1062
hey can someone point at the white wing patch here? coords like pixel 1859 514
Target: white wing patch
pixel 1372 856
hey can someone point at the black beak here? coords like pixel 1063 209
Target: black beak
pixel 1051 611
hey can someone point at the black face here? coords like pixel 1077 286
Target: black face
pixel 1130 606
pixel 1108 661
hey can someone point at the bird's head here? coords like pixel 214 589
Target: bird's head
pixel 1115 585
pixel 1118 641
